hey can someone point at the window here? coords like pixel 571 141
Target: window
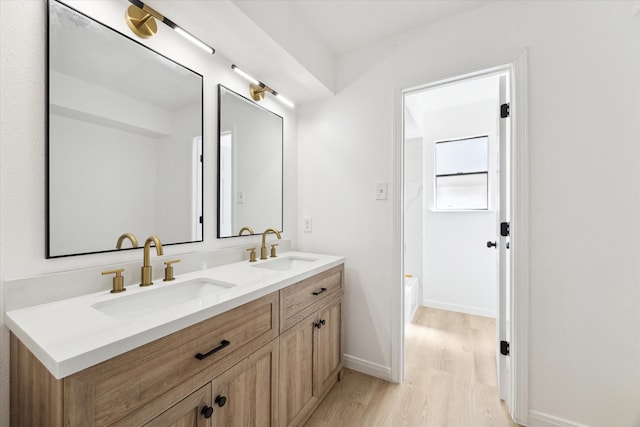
pixel 462 174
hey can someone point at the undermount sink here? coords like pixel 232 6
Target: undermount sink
pixel 282 264
pixel 140 304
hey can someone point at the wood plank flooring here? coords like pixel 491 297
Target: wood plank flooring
pixel 450 380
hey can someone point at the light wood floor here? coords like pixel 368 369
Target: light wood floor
pixel 450 380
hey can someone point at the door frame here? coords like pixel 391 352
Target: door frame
pixel 518 400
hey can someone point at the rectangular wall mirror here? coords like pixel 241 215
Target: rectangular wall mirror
pixel 124 142
pixel 249 165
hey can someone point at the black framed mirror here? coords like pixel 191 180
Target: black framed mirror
pixel 124 148
pixel 250 153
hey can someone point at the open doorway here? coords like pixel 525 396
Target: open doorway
pixel 452 194
pixel 456 196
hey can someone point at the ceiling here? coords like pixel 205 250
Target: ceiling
pixel 447 96
pixel 347 25
pixel 295 46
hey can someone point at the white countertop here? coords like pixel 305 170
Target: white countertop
pixel 71 335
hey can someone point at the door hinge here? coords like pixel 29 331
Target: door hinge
pixel 504 111
pixel 201 158
pixel 504 348
pixel 200 220
pixel 504 229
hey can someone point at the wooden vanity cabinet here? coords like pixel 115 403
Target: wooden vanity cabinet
pixel 143 382
pixel 135 387
pixel 311 349
pixel 266 375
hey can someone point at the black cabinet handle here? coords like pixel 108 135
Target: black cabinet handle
pixel 494 244
pixel 223 344
pixel 320 323
pixel 207 411
pixel 320 291
pixel 220 401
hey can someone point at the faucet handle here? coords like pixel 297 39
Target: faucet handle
pixel 168 270
pixel 118 280
pixel 252 255
pixel 273 250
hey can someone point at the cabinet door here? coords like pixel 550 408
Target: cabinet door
pixel 297 364
pixel 190 412
pixel 246 394
pixel 329 346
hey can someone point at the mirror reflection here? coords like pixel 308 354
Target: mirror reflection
pixel 250 165
pixel 125 140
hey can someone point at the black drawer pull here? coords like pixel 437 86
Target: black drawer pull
pixel 223 344
pixel 320 291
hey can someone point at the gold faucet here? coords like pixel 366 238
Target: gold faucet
pixel 263 249
pixel 130 236
pixel 243 229
pixel 146 266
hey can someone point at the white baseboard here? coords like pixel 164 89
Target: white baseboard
pixel 367 367
pixel 459 308
pixel 539 419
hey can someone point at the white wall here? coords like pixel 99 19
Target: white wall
pixel 344 150
pixel 76 98
pixel 174 193
pixel 460 272
pixel 142 151
pixel 119 172
pixel 22 145
pixel 584 123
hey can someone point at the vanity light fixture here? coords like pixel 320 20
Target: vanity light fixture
pixel 257 89
pixel 141 19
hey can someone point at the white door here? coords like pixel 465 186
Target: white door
pixel 504 308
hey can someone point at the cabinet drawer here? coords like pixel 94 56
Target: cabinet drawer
pixel 298 300
pixel 104 393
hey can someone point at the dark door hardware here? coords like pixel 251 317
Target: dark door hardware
pixel 320 291
pixel 504 348
pixel 319 324
pixel 223 344
pixel 492 244
pixel 504 111
pixel 504 229
pixel 207 411
pixel 220 401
